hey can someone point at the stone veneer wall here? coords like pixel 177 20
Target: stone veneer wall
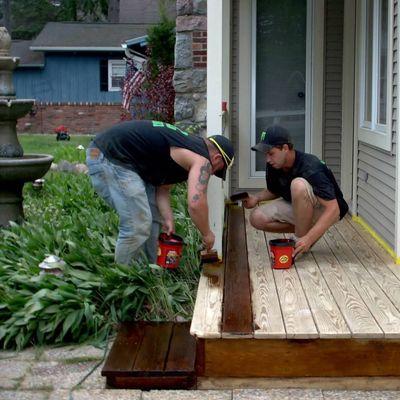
pixel 190 78
pixel 78 118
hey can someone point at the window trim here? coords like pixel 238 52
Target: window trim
pixel 372 132
pixel 111 63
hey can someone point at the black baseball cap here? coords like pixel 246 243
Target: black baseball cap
pixel 274 135
pixel 225 148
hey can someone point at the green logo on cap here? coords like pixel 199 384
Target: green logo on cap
pixel 263 134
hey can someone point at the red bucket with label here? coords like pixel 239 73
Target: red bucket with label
pixel 170 248
pixel 282 252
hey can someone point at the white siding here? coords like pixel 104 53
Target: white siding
pixel 332 123
pixel 376 173
pixel 235 93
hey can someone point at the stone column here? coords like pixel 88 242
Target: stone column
pixel 190 78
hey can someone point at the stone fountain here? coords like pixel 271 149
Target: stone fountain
pixel 15 167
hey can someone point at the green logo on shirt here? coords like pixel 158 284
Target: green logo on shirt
pixel 160 124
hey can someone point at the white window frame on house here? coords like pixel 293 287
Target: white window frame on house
pixel 373 132
pixel 111 64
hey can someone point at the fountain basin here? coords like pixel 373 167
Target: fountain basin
pixel 24 169
pixel 12 109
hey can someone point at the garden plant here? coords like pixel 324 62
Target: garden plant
pixel 67 219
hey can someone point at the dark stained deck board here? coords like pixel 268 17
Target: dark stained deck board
pixel 153 352
pixel 285 358
pixel 151 355
pixel 182 350
pixel 124 350
pixel 237 281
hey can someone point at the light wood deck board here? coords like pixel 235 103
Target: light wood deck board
pixel 327 316
pixel 383 310
pixel 267 316
pixel 356 314
pixel 385 276
pixel 207 314
pixel 375 246
pixel 296 312
pixel 347 270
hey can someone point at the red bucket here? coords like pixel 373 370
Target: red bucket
pixel 170 249
pixel 282 250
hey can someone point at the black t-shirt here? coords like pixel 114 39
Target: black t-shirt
pixel 144 146
pixel 318 175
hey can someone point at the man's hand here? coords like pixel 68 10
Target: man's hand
pixel 250 202
pixel 208 240
pixel 168 226
pixel 302 245
pixel 164 206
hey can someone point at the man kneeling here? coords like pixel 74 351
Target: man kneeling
pixel 308 198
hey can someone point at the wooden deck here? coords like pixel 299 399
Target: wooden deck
pixel 335 313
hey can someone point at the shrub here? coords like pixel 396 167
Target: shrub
pixel 67 219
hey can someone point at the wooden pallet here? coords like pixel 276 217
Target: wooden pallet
pixel 149 355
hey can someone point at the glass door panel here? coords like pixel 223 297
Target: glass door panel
pixel 280 69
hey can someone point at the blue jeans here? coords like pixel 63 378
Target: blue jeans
pixel 135 202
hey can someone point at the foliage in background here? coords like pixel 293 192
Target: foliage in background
pixel 161 40
pixel 28 17
pixel 155 98
pixel 66 218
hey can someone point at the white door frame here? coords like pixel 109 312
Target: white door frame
pixel 314 89
pixel 218 90
pixel 348 86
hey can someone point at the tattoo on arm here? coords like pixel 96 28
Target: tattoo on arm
pixel 201 185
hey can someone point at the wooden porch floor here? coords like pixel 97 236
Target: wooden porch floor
pixel 346 287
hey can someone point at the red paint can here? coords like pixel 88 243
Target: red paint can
pixel 170 248
pixel 282 251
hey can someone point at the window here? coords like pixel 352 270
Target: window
pixel 375 73
pixel 116 74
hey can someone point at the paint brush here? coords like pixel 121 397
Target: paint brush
pixel 211 264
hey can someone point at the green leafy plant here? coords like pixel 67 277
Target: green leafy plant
pixel 67 219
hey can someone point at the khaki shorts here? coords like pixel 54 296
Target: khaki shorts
pixel 282 211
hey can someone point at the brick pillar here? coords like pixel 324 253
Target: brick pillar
pixel 190 78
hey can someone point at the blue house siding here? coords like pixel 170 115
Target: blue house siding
pixel 66 77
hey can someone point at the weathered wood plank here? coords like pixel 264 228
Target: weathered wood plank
pixel 327 316
pixel 153 352
pixel 383 310
pixel 124 350
pixel 296 313
pixel 182 351
pixel 207 314
pixel 267 316
pixel 357 316
pixel 237 319
pixel 152 382
pixel 300 358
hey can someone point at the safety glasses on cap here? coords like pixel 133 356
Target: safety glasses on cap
pixel 228 161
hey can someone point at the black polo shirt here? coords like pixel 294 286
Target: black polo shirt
pixel 317 174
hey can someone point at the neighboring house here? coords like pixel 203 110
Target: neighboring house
pixel 147 12
pixel 303 64
pixel 74 71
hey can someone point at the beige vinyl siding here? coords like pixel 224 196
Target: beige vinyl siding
pixel 332 123
pixel 235 93
pixel 376 172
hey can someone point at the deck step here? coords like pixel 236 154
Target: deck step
pixel 152 355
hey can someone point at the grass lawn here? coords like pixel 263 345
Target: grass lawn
pixel 61 150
